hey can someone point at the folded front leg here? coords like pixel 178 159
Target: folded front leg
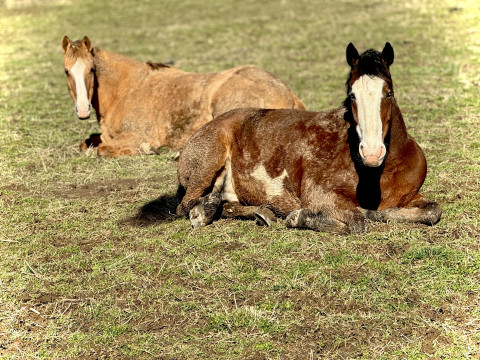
pixel 327 211
pixel 306 219
pixel 262 214
pixel 126 144
pixel 419 210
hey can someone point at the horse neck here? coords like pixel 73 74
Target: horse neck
pixel 368 188
pixel 398 132
pixel 110 68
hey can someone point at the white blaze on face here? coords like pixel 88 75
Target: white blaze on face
pixel 273 186
pixel 82 105
pixel 368 92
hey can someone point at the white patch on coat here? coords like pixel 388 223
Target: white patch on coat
pixel 273 186
pixel 368 92
pixel 77 71
pixel 224 183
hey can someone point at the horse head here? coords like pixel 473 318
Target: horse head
pixel 370 98
pixel 80 70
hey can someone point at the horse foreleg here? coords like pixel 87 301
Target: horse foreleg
pixel 328 212
pixel 125 144
pixel 262 214
pixel 306 219
pixel 419 210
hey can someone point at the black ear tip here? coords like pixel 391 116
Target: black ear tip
pixel 352 55
pixel 388 54
pixel 351 49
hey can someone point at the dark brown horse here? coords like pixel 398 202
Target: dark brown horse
pixel 143 106
pixel 326 171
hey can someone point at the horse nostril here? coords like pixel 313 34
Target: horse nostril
pixel 89 107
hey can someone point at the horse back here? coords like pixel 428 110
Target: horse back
pixel 253 86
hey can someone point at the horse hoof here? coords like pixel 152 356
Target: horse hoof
pixel 198 217
pixel 292 219
pixel 203 213
pixel 297 218
pixel 264 216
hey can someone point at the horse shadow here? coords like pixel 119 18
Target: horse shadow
pixel 161 210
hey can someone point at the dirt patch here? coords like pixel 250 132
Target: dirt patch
pixel 96 189
pixel 15 187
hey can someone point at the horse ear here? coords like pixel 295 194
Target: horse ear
pixel 352 55
pixel 87 42
pixel 65 43
pixel 387 54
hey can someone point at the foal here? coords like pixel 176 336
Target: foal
pixel 143 106
pixel 326 171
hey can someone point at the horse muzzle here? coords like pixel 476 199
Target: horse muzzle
pixel 372 157
pixel 83 112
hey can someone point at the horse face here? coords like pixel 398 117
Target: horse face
pixel 80 74
pixel 371 98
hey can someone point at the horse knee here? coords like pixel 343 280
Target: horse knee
pixel 431 213
pixel 357 224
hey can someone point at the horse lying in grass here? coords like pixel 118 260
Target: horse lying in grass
pixel 144 106
pixel 326 171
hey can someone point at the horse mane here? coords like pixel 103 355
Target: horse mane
pixel 370 63
pixel 157 66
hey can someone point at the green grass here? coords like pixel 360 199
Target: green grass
pixel 79 279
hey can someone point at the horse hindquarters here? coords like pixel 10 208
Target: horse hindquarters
pixel 203 165
pixel 197 172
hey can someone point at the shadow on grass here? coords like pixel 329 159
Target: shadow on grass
pixel 156 211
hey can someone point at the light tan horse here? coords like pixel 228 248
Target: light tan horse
pixel 144 106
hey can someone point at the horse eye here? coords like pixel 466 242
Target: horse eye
pixel 92 70
pixel 390 94
pixel 66 72
pixel 352 96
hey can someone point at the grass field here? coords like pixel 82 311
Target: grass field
pixel 85 275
